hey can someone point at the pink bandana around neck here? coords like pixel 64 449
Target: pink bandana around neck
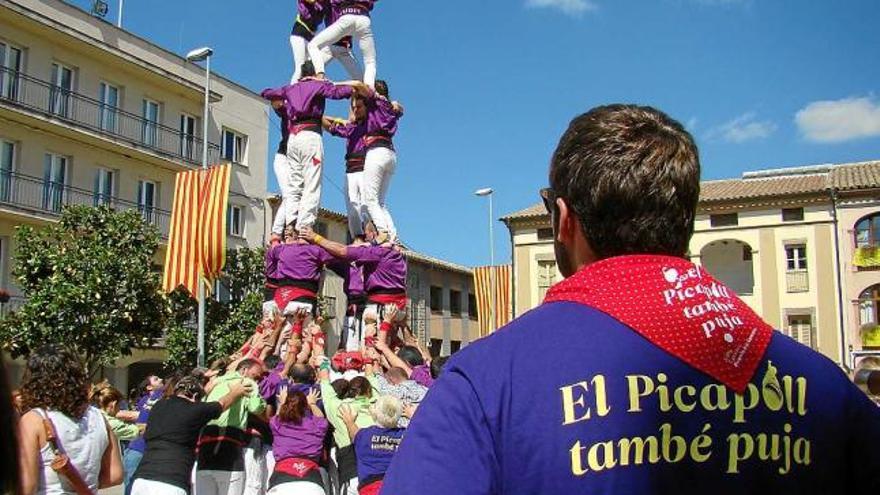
pixel 679 308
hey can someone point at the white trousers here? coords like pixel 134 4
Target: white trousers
pixel 354 196
pixel 289 201
pixel 359 27
pixel 256 475
pixel 354 340
pixel 298 45
pixel 297 488
pixel 305 151
pixel 379 167
pixel 150 487
pixel 210 482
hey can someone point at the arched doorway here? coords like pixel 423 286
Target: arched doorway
pixel 730 261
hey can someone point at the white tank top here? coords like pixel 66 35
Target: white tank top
pixel 84 441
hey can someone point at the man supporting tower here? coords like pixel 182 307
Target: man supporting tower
pixel 310 15
pixel 354 131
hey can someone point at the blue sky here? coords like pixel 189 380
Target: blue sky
pixel 490 85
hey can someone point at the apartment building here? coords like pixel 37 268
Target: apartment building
pixel 799 245
pixel 92 114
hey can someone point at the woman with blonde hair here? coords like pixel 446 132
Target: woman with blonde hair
pixel 375 446
pixel 107 399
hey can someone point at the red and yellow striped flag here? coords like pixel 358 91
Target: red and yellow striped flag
pixel 483 283
pixel 197 238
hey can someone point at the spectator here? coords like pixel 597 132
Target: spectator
pixel 55 390
pixel 152 389
pixel 107 399
pixel 298 431
pixel 375 446
pixel 640 373
pixel 172 433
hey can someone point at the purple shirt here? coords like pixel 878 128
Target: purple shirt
pixel 384 268
pixel 352 275
pixel 269 385
pixel 381 116
pixel 306 99
pixel 340 8
pixel 144 406
pixel 296 262
pixel 305 440
pixel 374 448
pixel 422 375
pixel 311 14
pixel 355 149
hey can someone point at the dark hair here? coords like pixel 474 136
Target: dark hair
pixel 271 361
pixel 199 373
pixel 294 409
pixel 341 387
pixel 246 364
pixel 359 387
pixel 189 386
pixel 382 87
pixel 302 373
pixel 220 365
pixel 170 382
pixel 631 175
pixel 308 69
pixel 411 355
pixel 55 379
pixel 8 437
pixel 437 365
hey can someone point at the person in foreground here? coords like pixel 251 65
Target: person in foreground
pixel 640 373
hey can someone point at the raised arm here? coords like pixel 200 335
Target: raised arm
pixel 237 390
pixel 274 93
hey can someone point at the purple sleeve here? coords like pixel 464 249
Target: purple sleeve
pixel 422 375
pixel 336 91
pixel 325 257
pixel 363 254
pixel 271 262
pixel 273 93
pixel 450 426
pixel 342 130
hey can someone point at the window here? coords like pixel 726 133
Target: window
pixel 796 257
pixel 11 62
pixel 800 328
pixel 54 181
pixel 869 313
pixel 546 277
pixel 473 313
pixel 187 135
pixel 235 222
pixel 545 234
pixel 454 346
pixel 792 214
pixel 7 165
pixel 62 85
pixel 867 231
pixel 109 96
pixel 436 347
pixel 234 146
pixel 455 302
pixel 105 186
pixel 147 200
pixel 150 131
pixel 436 299
pixel 724 220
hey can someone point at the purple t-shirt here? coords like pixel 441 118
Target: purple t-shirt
pixel 384 268
pixel 144 406
pixel 355 147
pixel 566 399
pixel 374 448
pixel 381 116
pixel 311 13
pixel 269 385
pixel 305 440
pixel 422 375
pixel 307 98
pixel 352 275
pixel 302 262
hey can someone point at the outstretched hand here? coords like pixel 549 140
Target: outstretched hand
pixel 391 311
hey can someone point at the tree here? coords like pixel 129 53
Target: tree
pixel 91 283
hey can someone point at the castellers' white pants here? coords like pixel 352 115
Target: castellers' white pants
pixel 354 196
pixel 359 27
pixel 255 471
pixel 354 338
pixel 298 46
pixel 305 151
pixel 289 196
pixel 379 167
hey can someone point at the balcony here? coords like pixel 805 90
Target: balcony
pixel 797 281
pixel 11 305
pixel 21 91
pixel 34 195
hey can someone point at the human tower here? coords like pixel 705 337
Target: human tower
pixel 373 266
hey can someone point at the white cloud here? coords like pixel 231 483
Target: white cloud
pixel 741 129
pixel 569 7
pixel 836 121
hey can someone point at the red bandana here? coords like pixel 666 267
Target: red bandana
pixel 678 307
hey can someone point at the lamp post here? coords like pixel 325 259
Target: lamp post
pixel 119 18
pixel 198 55
pixel 488 192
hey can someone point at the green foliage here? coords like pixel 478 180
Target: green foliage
pixel 91 283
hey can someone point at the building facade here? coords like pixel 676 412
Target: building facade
pixel 799 245
pixel 92 114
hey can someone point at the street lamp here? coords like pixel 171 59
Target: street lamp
pixel 198 55
pixel 484 193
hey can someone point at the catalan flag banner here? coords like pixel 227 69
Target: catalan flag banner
pixel 485 277
pixel 197 240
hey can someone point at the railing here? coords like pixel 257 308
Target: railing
pixel 13 304
pixel 41 196
pixel 21 90
pixel 797 281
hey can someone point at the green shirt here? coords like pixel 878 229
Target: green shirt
pixel 237 414
pixel 124 431
pixel 360 405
